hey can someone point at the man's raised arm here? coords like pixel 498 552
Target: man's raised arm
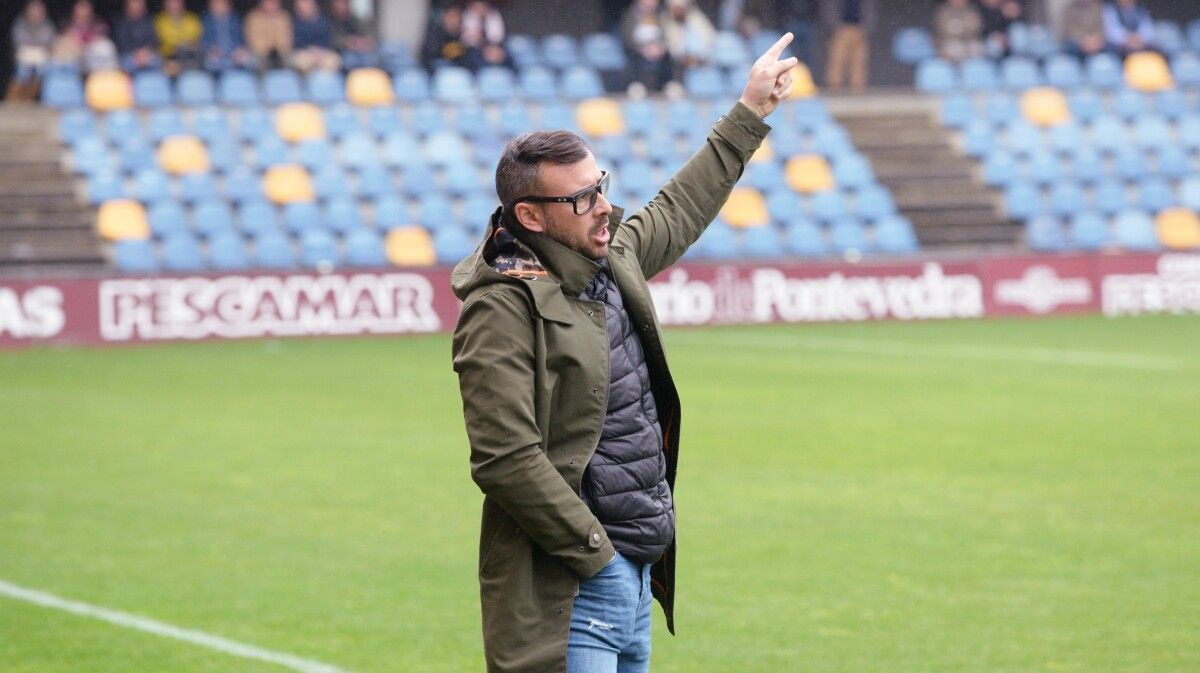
pixel 661 231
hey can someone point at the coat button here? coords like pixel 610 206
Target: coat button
pixel 595 390
pixel 595 537
pixel 518 530
pixel 590 313
pixel 572 461
pixel 581 549
pixel 559 611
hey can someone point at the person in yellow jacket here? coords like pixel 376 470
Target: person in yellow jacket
pixel 179 32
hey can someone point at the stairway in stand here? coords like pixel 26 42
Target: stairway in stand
pixel 44 224
pixel 935 185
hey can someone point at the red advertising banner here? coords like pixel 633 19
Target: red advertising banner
pixel 123 309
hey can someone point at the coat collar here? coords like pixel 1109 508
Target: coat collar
pixel 570 269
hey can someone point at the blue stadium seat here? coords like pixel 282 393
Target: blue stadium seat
pixel 936 76
pixel 1108 133
pixel 330 182
pixel 999 168
pixel 1169 37
pixel 301 216
pixel 1172 104
pixel 1130 104
pixel 912 45
pixel 478 207
pixel 1109 196
pixel 427 118
pixel 1066 198
pixel 401 150
pixel 828 206
pixel 136 154
pixel 135 257
pixel 524 51
pixel 979 74
pixel 396 56
pixel 273 250
pixel 1086 165
pixel 211 217
pixel 375 181
pixel 1020 73
pixel 150 185
pixel 1023 200
pixel 1041 42
pixel 445 147
pixel 318 248
pixel 978 138
pixel 76 124
pixel 1131 163
pixel 384 119
pixel 195 88
pixel 762 242
pixel 1105 71
pixel 434 211
pixel 559 116
pixel 848 233
pixel 804 238
pixel 282 86
pixel 62 90
pixel 1024 138
pixel 166 217
pixel 560 51
pixel 341 119
pixel 1189 192
pixel 462 178
pixel 91 156
pixel 254 124
pixel 580 82
pixel 1186 69
pixel 1064 72
pixel 717 242
pixel 894 234
pixel 181 253
pixel 151 89
pixel 121 125
pixel 1089 230
pixel 538 84
pixel 853 170
pixel 211 125
pixel 730 51
pixel 957 110
pixel 1134 230
pixel 514 118
pixel 832 141
pixel 359 150
pixel 389 211
pixel 166 122
pixel 764 176
pixel 227 252
pixel 258 217
pixel 1067 138
pixel 364 248
pixel 195 187
pixel 1045 233
pixel 1045 167
pixel 313 154
pixel 1155 194
pixel 412 85
pixel 604 52
pixel 496 84
pixel 238 88
pixel 243 185
pixel 784 205
pixel 1189 132
pixel 1173 162
pixel 1153 132
pixel 704 82
pixel 1193 34
pixel 453 85
pixel 325 87
pixel 641 116
pixel 451 244
pixel 873 202
pixel 1085 105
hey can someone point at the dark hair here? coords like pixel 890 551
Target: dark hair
pixel 517 171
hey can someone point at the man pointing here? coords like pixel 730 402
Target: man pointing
pixel 571 412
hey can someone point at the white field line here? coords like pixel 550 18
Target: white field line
pixel 1046 356
pixel 200 638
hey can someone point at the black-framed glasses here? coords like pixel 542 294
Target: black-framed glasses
pixel 581 201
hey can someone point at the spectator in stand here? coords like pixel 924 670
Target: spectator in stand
pixel 959 29
pixel 1083 26
pixel 224 43
pixel 1128 27
pixel 135 38
pixel 849 23
pixel 800 18
pixel 998 16
pixel 32 38
pixel 179 32
pixel 84 42
pixel 443 44
pixel 352 36
pixel 483 36
pixel 269 34
pixel 744 16
pixel 645 39
pixel 689 35
pixel 312 39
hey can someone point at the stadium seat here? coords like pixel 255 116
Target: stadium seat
pixel 1067 138
pixel 325 88
pixel 195 88
pixel 135 256
pixel 1172 104
pixel 183 154
pixel 1153 132
pixel 453 85
pixel 1023 200
pixel 874 202
pixel 746 208
pixel 296 122
pixel 151 89
pixel 257 218
pixel 1085 105
pixel 999 168
pixel 197 186
pixel 314 154
pixel 978 74
pixel 1086 165
pixel 237 88
pixel 254 123
pixel 957 110
pixel 1173 162
pixel 1110 196
pixel 395 56
pixel 600 117
pixel 62 90
pixel 913 45
pixel 109 90
pixel 445 147
pixel 150 185
pixel 1018 72
pixel 538 84
pixel 978 138
pixel 1185 68
pixel 122 220
pixel 135 155
pixel 761 242
pixel 1064 72
pixel 389 212
pixel 1045 233
pixel 1089 230
pixel 434 211
pixel 76 124
pixel 717 242
pixel 364 248
pixel 704 82
pixel 451 244
pixel 288 184
pixel 330 182
pixel 809 174
pixel 1155 194
pixel 1045 107
pixel 847 234
pixel 1134 230
pixel 281 87
pixel 1148 71
pixel 560 51
pixel 227 252
pixel 401 150
pixel 853 170
pixel 935 76
pixel 412 85
pixel 212 217
pixel 302 216
pixel 496 84
pixel 368 87
pixel 1169 37
pixel 211 125
pixel 1045 167
pixel 1066 198
pixel 90 156
pixel 1193 34
pixel 410 246
pixel 524 50
pixel 828 206
pixel 604 52
pixel 1178 229
pixel 181 253
pixel 580 82
pixel 166 217
pixel 104 185
pixel 730 51
pixel 1108 133
pixel 1131 163
pixel 804 238
pixel 273 250
pixel 1189 192
pixel 318 249
pixel 894 234
pixel 1104 71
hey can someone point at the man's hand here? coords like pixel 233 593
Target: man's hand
pixel 770 79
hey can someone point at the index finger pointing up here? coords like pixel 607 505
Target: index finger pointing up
pixel 776 49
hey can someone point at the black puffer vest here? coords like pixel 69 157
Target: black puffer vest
pixel 625 484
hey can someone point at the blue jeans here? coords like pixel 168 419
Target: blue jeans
pixel 610 620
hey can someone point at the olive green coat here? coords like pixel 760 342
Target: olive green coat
pixel 532 361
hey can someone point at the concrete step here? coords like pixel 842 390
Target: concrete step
pixel 948 219
pixel 43 202
pixel 39 152
pixel 891 173
pixel 967 235
pixel 36 220
pixel 950 201
pixel 908 138
pixel 31 188
pixel 24 172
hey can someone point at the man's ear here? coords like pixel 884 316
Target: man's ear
pixel 529 216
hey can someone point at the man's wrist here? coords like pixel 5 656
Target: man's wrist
pixel 752 108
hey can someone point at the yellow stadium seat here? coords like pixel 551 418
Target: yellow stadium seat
pixel 600 117
pixel 1045 106
pixel 1148 71
pixel 764 152
pixel 746 208
pixel 109 90
pixel 288 184
pixel 123 220
pixel 802 82
pixel 369 87
pixel 183 154
pixel 299 121
pixel 1179 229
pixel 410 246
pixel 809 173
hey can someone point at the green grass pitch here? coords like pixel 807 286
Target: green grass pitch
pixel 892 498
